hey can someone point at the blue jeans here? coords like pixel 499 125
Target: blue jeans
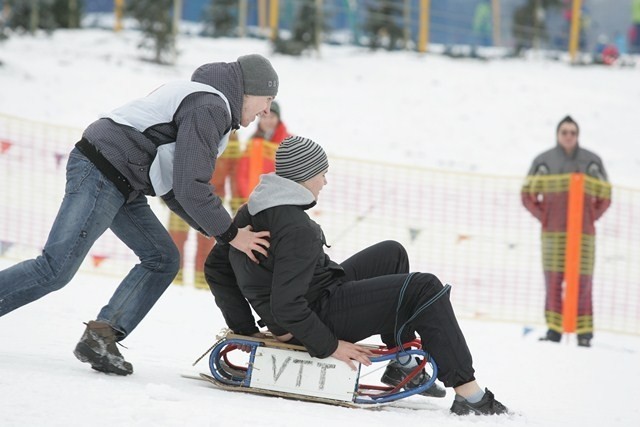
pixel 92 204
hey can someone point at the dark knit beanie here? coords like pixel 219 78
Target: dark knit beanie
pixel 275 108
pixel 258 76
pixel 567 119
pixel 300 159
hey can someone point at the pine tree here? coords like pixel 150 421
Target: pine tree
pixel 221 18
pixel 4 28
pixel 30 15
pixel 4 33
pixel 307 30
pixel 67 13
pixel 155 19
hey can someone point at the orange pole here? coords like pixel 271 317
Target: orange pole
pixel 118 11
pixel 572 253
pixel 255 163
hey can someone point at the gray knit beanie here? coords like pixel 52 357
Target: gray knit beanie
pixel 258 76
pixel 300 159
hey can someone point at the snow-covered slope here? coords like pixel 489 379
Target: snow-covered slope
pixel 490 117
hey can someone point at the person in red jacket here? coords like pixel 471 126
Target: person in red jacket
pixel 545 195
pixel 259 156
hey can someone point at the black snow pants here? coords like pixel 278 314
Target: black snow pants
pixel 366 304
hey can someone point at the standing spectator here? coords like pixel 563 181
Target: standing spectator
pixel 605 53
pixel 259 156
pixel 224 173
pixel 166 145
pixel 545 195
pixel 620 42
pixel 482 26
pixel 635 20
pixel 382 24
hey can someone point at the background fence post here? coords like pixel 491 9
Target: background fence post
pixel 573 252
pixel 262 16
pixel 423 40
pixel 574 38
pixel 118 8
pixel 319 23
pixel 406 19
pixel 497 23
pixel 274 18
pixel 242 18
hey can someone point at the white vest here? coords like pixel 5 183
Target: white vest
pixel 159 107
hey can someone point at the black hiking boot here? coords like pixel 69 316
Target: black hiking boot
pixel 552 336
pixel 488 405
pixel 395 373
pixel 97 346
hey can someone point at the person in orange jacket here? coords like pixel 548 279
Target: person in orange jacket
pixel 259 156
pixel 179 230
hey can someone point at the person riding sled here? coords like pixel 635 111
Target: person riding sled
pixel 304 297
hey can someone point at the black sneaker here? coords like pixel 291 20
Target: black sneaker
pixel 395 373
pixel 97 346
pixel 552 336
pixel 488 405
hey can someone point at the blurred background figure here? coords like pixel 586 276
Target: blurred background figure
pixel 223 175
pixel 260 153
pixel 382 24
pixel 605 53
pixel 634 36
pixel 620 42
pixel 545 194
pixel 482 26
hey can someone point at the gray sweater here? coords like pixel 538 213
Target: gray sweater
pixel 557 161
pixel 188 122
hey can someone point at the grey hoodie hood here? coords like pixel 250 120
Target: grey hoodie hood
pixel 273 190
pixel 227 78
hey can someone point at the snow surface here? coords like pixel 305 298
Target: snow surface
pixel 490 117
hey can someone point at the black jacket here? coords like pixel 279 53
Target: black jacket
pixel 292 283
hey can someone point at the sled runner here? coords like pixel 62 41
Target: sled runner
pixel 284 370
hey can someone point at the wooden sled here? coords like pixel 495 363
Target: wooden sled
pixel 288 371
